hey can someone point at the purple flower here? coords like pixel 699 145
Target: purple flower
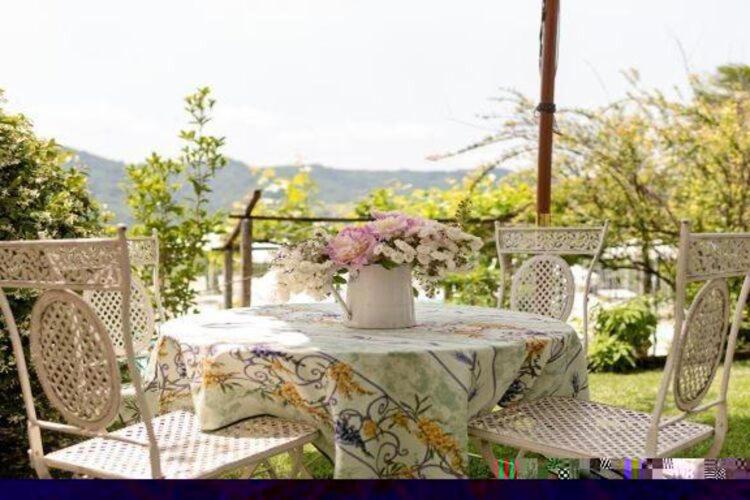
pixel 353 247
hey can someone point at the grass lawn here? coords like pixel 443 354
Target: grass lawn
pixel 637 391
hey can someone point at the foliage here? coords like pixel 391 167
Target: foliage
pixel 611 354
pixel 477 287
pixel 293 196
pixel 472 197
pixel 475 196
pixel 183 223
pixel 39 196
pixel 633 322
pixel 644 162
pixel 622 335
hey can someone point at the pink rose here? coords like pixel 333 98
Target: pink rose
pixel 353 247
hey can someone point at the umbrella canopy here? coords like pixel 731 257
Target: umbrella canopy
pixel 546 108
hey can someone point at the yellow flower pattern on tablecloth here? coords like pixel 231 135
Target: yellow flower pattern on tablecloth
pixel 369 428
pixel 345 384
pixel 432 435
pixel 214 375
pixel 388 404
pixel 289 393
pixel 535 345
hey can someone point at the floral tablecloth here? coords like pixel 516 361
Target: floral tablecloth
pixel 391 403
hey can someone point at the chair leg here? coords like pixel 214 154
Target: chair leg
pixel 485 449
pixel 250 470
pixel 298 467
pixel 40 467
pixel 584 468
pixel 720 431
pixel 269 468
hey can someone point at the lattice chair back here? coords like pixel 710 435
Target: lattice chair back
pixel 700 336
pixel 544 283
pixel 144 252
pixel 71 349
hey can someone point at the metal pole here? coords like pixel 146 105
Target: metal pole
pixel 246 258
pixel 546 109
pixel 228 278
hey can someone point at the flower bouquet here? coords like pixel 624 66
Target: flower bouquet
pixel 379 258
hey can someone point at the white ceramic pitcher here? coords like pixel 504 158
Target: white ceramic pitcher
pixel 378 298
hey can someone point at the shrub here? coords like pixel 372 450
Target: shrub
pixel 611 354
pixel 39 194
pixel 622 335
pixel 156 198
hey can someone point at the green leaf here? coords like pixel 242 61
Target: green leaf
pixel 388 264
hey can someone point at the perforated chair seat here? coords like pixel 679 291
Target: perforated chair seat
pixel 568 427
pixel 186 451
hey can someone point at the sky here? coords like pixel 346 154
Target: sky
pixel 346 83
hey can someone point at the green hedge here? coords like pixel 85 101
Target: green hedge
pixel 39 195
pixel 622 336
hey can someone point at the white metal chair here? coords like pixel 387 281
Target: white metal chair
pixel 144 255
pixel 568 427
pixel 75 361
pixel 544 283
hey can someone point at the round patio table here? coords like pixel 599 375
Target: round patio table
pixel 388 403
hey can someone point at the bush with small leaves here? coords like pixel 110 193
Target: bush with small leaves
pixel 40 195
pixel 622 335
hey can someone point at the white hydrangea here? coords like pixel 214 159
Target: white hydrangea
pixel 434 250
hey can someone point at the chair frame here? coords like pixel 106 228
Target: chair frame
pixel 143 251
pixel 703 257
pixel 52 279
pixel 68 268
pixel 554 241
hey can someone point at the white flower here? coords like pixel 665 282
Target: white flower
pixel 476 244
pixel 437 255
pixel 451 246
pixel 408 251
pixel 423 249
pixel 424 259
pixel 455 233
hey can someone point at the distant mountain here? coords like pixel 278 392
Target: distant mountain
pixel 237 180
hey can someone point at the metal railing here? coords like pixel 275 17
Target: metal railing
pixel 242 238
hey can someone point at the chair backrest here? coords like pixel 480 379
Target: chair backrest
pixel 544 283
pixel 144 253
pixel 72 352
pixel 700 336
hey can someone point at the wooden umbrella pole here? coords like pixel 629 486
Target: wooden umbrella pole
pixel 546 110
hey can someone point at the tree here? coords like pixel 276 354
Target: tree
pixel 171 196
pixel 39 194
pixel 291 197
pixel 644 162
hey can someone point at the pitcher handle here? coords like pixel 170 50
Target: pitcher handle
pixel 341 302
